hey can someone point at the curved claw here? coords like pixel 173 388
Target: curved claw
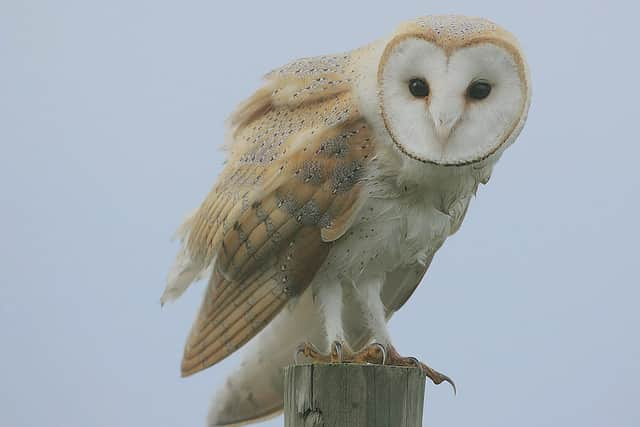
pixel 453 385
pixel 438 378
pixel 337 348
pixel 448 380
pixel 299 349
pixel 434 375
pixel 383 350
pixel 305 348
pixel 417 363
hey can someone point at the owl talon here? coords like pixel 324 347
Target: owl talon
pixel 383 350
pixel 435 376
pixel 415 362
pixel 375 354
pixel 310 351
pixel 336 352
pixel 299 349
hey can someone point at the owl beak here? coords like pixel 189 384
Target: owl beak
pixel 444 124
pixel 445 113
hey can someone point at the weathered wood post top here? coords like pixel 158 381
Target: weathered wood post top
pixel 353 395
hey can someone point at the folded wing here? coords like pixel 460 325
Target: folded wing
pixel 298 152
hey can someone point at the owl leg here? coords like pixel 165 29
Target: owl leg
pixel 373 311
pixel 382 351
pixel 329 296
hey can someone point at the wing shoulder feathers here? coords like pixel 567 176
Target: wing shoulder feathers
pixel 303 81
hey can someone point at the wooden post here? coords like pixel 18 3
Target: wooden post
pixel 353 396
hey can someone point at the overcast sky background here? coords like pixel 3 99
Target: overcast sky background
pixel 111 119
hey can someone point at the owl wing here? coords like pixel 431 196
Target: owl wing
pixel 292 185
pixel 401 283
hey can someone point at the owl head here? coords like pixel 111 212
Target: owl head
pixel 451 90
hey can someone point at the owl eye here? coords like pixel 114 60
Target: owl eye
pixel 479 89
pixel 418 88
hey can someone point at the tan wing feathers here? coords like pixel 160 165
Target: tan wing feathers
pixel 308 80
pixel 297 156
pixel 214 338
pixel 290 219
pixel 232 294
pixel 237 188
pixel 254 107
pixel 226 323
pixel 343 221
pixel 226 217
pixel 316 186
pixel 220 305
pixel 232 333
pixel 268 247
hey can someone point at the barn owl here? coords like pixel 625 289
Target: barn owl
pixel 345 175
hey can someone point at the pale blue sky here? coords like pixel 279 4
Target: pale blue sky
pixel 111 117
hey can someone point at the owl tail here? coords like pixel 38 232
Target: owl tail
pixel 254 391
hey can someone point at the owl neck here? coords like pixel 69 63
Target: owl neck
pixel 393 174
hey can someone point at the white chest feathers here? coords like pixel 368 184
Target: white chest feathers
pixel 390 232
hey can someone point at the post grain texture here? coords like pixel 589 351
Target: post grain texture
pixel 336 395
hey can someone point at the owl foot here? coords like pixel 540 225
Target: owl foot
pixel 375 354
pixel 339 353
pixel 395 359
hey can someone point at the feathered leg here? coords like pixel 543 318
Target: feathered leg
pixel 329 295
pixel 375 313
pixel 380 351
